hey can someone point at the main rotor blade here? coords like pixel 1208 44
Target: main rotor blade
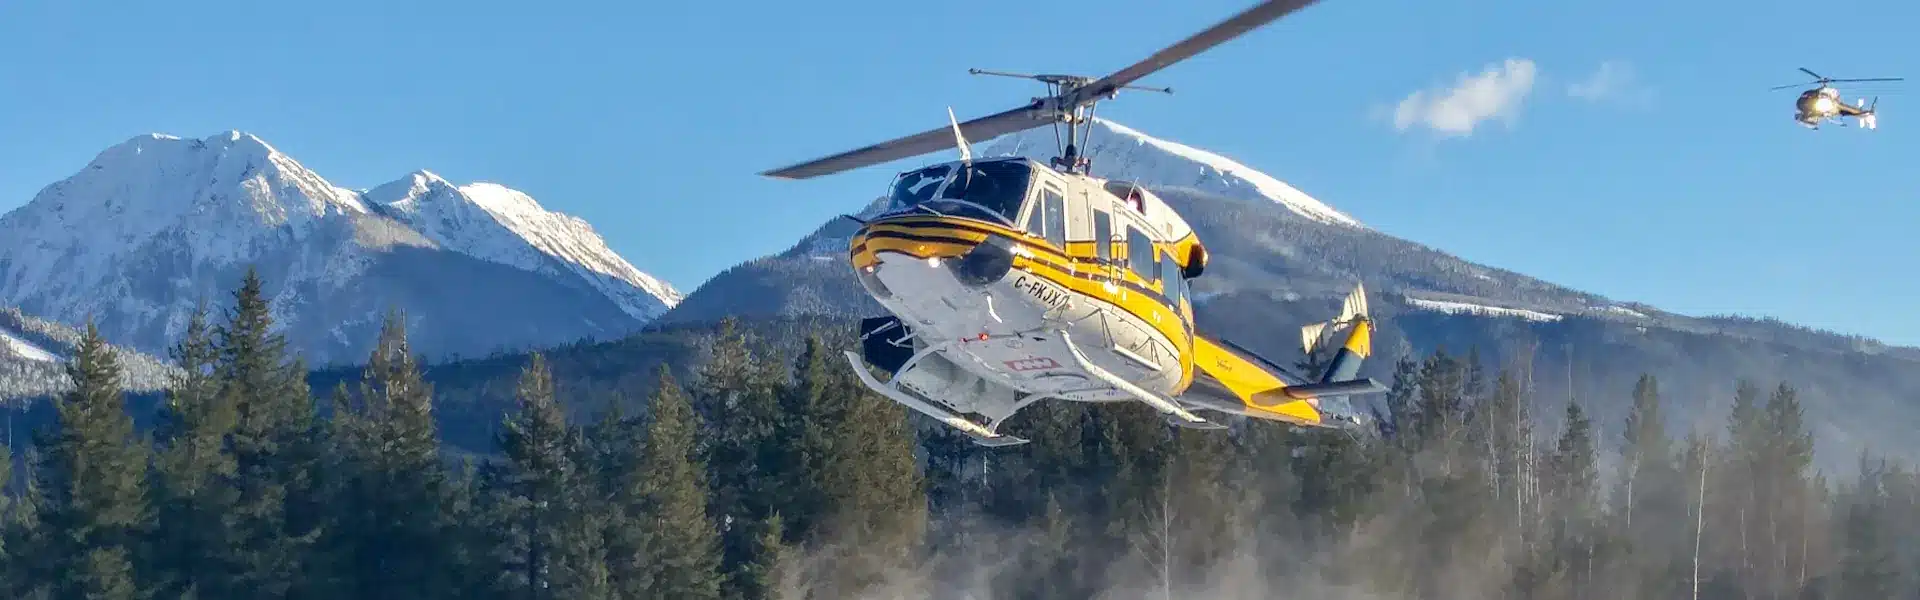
pixel 1867 79
pixel 978 130
pixel 1247 20
pixel 1815 75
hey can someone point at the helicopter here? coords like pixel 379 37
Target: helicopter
pixel 1009 281
pixel 1823 103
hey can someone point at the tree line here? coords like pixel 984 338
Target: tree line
pixel 776 475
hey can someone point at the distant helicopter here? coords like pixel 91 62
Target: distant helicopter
pixel 1824 104
pixel 1010 281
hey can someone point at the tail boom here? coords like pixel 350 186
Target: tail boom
pixel 1234 380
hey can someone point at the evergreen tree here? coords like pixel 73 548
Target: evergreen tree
pixel 1785 454
pixel 818 464
pixel 681 547
pixel 546 545
pixel 24 575
pixel 1645 447
pixel 192 479
pixel 276 512
pixel 1869 563
pixel 890 490
pixel 772 573
pixel 1575 477
pixel 739 400
pixel 93 474
pixel 389 481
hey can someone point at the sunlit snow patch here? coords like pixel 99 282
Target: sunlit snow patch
pixel 25 349
pixel 1480 309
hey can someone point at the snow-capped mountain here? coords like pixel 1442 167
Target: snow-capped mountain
pixel 157 223
pixel 499 224
pixel 1120 152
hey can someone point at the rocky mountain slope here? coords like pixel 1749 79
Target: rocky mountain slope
pixel 158 223
pixel 1282 258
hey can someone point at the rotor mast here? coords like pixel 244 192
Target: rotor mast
pixel 1078 117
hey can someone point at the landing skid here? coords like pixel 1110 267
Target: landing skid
pixel 981 435
pixel 1175 414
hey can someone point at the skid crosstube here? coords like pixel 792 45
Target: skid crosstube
pixel 980 434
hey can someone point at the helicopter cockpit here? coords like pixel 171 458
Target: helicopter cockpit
pixel 1818 101
pixel 990 190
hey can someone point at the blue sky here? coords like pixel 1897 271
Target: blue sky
pixel 1685 186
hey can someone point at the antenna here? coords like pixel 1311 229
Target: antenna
pixel 959 139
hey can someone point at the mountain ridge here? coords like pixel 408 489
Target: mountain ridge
pixel 156 223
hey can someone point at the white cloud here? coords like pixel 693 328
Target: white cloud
pixel 1612 81
pixel 1496 92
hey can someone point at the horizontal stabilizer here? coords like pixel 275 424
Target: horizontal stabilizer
pixel 1317 390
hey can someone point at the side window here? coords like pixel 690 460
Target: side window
pixel 1037 218
pixel 1140 253
pixel 1102 234
pixel 1176 288
pixel 1054 206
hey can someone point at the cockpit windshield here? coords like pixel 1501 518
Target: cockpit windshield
pixel 991 191
pixel 914 187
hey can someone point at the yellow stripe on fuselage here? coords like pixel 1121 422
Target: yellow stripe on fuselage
pixel 1249 380
pixel 1076 268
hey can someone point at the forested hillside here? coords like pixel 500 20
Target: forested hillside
pixel 768 473
pixel 30 354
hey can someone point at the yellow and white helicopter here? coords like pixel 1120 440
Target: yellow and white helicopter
pixel 1010 281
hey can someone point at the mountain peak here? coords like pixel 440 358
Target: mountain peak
pixel 503 225
pixel 158 219
pixel 1121 152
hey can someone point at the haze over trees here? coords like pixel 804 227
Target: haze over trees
pixel 770 473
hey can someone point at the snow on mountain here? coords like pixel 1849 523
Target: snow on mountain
pixel 156 223
pixel 496 223
pixel 1479 309
pixel 1121 152
pixel 34 353
pixel 25 349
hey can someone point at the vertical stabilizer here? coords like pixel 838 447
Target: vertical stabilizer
pixel 1359 337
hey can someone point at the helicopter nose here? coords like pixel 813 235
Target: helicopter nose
pixel 988 262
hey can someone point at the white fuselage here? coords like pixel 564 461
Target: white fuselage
pixel 1018 315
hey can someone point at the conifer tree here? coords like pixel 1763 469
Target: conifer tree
pixel 23 575
pixel 1646 448
pixel 276 512
pixel 772 573
pixel 681 548
pixel 193 470
pixel 739 401
pixel 817 465
pixel 93 474
pixel 1869 566
pixel 546 543
pixel 388 479
pixel 1574 478
pixel 879 508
